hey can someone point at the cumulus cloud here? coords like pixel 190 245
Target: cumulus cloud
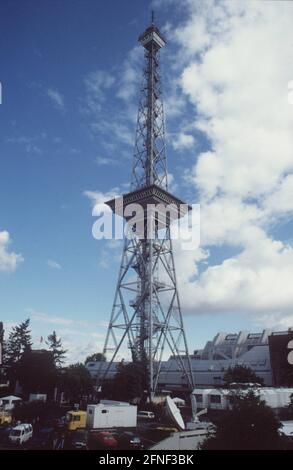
pixel 257 280
pixel 241 78
pixel 79 351
pixel 235 64
pixel 9 260
pixel 183 141
pixel 230 77
pixel 99 198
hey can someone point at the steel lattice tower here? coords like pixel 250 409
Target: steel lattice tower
pixel 146 314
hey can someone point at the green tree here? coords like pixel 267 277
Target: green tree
pixel 75 382
pixel 36 372
pixel 251 424
pixel 19 340
pixel 96 357
pixel 55 345
pixel 128 383
pixel 241 374
pixel 36 410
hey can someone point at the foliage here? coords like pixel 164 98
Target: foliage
pixel 241 374
pixel 75 382
pixel 251 424
pixel 19 340
pixel 286 375
pixel 55 345
pixel 36 410
pixel 128 383
pixel 96 357
pixel 36 372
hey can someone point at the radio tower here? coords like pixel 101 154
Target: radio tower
pixel 146 315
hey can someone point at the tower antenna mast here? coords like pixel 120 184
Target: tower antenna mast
pixel 146 315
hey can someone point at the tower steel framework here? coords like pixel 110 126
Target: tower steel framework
pixel 146 314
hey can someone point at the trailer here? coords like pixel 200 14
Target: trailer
pixel 111 414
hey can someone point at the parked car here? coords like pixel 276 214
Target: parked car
pixel 43 439
pixel 79 439
pixel 129 441
pixel 145 415
pixel 21 434
pixel 102 440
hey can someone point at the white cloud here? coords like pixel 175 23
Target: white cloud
pixel 78 337
pixel 111 254
pixel 78 351
pixel 257 280
pixel 98 197
pixel 88 334
pixel 90 340
pixel 117 128
pixel 56 98
pixel 53 264
pixel 280 201
pixel 97 83
pixel 275 321
pixel 31 144
pixel 235 60
pixel 8 325
pixel 183 141
pixel 242 76
pixel 107 161
pixel 233 66
pixel 53 319
pixel 112 124
pixel 131 75
pixel 9 260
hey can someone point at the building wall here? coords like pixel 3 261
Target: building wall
pixel 218 399
pixel 282 371
pixel 253 350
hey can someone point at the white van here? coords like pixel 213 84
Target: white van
pixel 21 434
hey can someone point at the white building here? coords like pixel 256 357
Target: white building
pixel 210 363
pixel 220 398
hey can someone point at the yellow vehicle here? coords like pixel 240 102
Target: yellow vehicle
pixel 75 420
pixel 5 417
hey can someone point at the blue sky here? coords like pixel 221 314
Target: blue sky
pixel 70 77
